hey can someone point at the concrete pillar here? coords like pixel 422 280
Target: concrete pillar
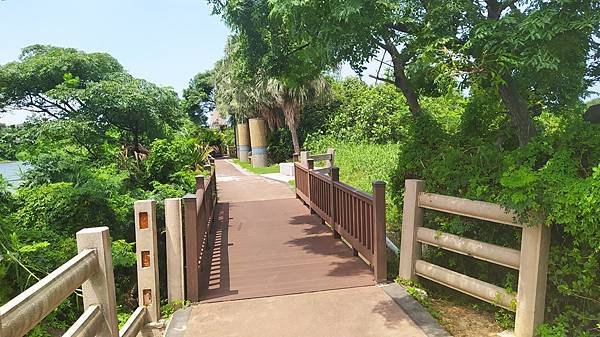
pixel 175 252
pixel 412 219
pixel 146 247
pixel 243 141
pixel 304 158
pixel 533 270
pixel 100 288
pixel 330 162
pixel 258 139
pixel 335 176
pixel 379 233
pixel 191 247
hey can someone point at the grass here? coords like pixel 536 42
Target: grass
pixel 258 170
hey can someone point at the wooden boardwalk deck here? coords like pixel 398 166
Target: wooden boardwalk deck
pixel 265 243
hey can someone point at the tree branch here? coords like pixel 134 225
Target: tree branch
pixel 387 80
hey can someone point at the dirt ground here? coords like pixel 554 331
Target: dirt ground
pixel 465 321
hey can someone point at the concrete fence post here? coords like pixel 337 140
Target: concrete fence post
pixel 191 247
pixel 175 252
pixel 379 232
pixel 533 270
pixel 412 219
pixel 335 176
pixel 146 246
pixel 100 288
pixel 330 162
pixel 304 158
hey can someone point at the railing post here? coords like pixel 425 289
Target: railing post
pixel 531 294
pixel 146 246
pixel 412 219
pixel 174 235
pixel 330 162
pixel 191 247
pixel 295 157
pixel 100 288
pixel 201 212
pixel 335 176
pixel 310 163
pixel 379 232
pixel 304 158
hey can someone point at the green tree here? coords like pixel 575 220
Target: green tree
pixel 199 97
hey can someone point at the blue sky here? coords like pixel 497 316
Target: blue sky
pixel 166 42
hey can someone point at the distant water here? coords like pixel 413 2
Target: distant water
pixel 11 172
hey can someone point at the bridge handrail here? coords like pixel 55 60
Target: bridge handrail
pixel 355 216
pixel 22 313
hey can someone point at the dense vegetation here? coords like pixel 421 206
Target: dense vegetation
pixel 481 99
pixel 100 140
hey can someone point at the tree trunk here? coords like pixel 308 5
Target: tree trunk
pixel 401 80
pixel 294 132
pixel 518 110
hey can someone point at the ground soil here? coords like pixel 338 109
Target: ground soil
pixel 465 321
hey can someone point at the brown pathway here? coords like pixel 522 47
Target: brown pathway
pixel 266 243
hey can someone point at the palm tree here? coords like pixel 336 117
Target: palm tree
pixel 292 99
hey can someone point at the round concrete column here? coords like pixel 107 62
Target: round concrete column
pixel 258 139
pixel 243 141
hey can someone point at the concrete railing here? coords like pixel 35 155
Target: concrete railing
pixel 329 158
pixel 531 260
pixel 92 269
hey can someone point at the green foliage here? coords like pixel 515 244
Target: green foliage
pixel 258 170
pixel 168 309
pixel 198 98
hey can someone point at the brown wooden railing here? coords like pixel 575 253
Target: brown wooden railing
pixel 198 215
pixel 355 216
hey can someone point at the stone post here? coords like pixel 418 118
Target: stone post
pixel 412 219
pixel 330 162
pixel 258 139
pixel 146 246
pixel 175 252
pixel 379 232
pixel 243 141
pixel 533 270
pixel 100 288
pixel 304 158
pixel 335 177
pixel 191 247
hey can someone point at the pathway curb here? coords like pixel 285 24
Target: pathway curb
pixel 415 310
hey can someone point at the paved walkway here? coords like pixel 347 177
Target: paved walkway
pixel 276 270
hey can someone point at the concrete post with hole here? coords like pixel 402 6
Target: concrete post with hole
pixel 175 251
pixel 99 289
pixel 146 246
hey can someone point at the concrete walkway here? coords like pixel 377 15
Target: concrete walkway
pixel 275 270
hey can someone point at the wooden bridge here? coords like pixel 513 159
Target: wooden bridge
pixel 270 260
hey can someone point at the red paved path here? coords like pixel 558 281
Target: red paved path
pixel 267 243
